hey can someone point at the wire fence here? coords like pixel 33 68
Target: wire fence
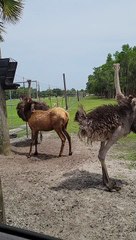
pixel 19 128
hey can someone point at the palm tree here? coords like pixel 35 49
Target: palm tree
pixel 10 11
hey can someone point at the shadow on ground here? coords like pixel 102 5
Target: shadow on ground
pixel 23 143
pixel 40 156
pixel 78 180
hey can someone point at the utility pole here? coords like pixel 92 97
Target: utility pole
pixel 65 91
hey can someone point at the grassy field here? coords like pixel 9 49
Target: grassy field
pixel 89 103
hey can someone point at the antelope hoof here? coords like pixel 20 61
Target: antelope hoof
pixel 70 153
pixel 29 156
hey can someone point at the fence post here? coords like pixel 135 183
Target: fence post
pixel 77 96
pixel 65 91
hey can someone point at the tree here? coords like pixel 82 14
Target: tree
pixel 101 82
pixel 57 92
pixel 127 58
pixel 10 11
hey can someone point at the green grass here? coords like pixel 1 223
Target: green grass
pixel 13 120
pixel 89 103
pixel 126 146
pixel 126 149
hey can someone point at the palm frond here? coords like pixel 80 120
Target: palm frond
pixel 11 10
pixel 2 30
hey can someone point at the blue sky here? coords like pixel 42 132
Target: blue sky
pixel 68 36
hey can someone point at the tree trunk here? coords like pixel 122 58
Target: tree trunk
pixel 4 131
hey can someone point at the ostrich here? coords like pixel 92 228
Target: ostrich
pixel 106 124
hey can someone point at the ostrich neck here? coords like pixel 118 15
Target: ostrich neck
pixel 117 83
pixel 116 79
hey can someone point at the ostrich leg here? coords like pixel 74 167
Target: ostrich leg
pixel 105 176
pixel 102 154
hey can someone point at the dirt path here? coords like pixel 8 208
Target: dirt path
pixel 64 197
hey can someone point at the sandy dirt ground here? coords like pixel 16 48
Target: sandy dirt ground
pixel 64 197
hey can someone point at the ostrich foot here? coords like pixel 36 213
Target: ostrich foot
pixel 112 185
pixel 36 153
